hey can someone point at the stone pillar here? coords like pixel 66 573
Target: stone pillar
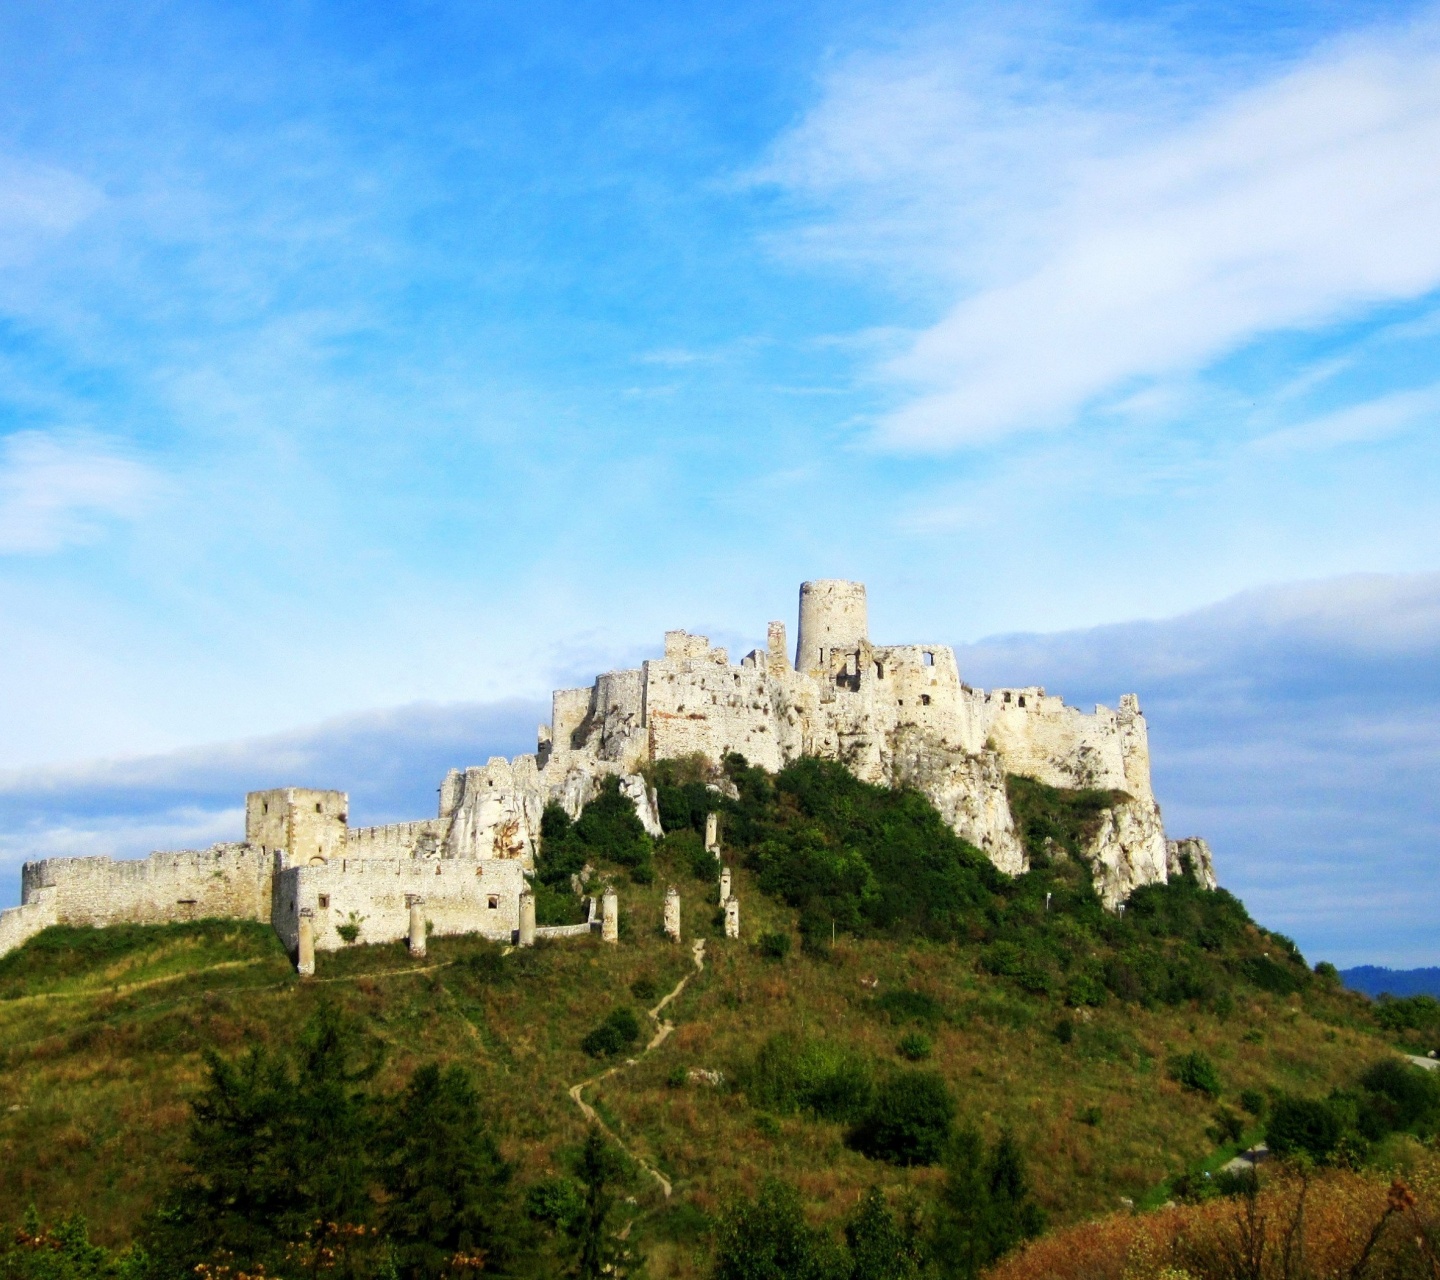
pixel 672 913
pixel 712 834
pixel 609 917
pixel 305 958
pixel 732 917
pixel 417 924
pixel 526 932
pixel 724 885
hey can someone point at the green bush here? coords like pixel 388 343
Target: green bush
pixel 774 946
pixel 905 1005
pixel 908 1122
pixel 1401 1098
pixel 825 1079
pixel 1195 1071
pixel 915 1046
pixel 1308 1126
pixel 557 1202
pixel 618 1032
pixel 1254 1102
pixel 645 988
pixel 767 1238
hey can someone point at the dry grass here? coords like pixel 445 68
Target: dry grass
pixel 1335 1223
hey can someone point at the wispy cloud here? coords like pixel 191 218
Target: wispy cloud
pixel 62 488
pixel 38 202
pixel 1091 248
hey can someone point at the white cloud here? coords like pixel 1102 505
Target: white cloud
pixel 38 202
pixel 1086 251
pixel 58 488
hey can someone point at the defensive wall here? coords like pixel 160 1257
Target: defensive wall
pixel 373 896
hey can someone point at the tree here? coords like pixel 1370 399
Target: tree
pixel 1303 1126
pixel 447 1186
pixel 985 1207
pixel 600 1250
pixel 880 1247
pixel 272 1151
pixel 767 1238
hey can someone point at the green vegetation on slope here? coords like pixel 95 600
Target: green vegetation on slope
pixel 102 1033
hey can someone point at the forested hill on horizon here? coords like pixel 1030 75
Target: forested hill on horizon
pixel 1376 980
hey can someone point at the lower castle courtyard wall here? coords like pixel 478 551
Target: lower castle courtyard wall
pixel 458 897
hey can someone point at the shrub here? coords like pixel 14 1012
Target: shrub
pixel 915 1046
pixel 1228 1128
pixel 904 1005
pixel 645 988
pixel 687 849
pixel 1195 1071
pixel 774 946
pixel 557 1202
pixel 610 828
pixel 1064 1031
pixel 1403 1097
pixel 618 1032
pixel 769 1237
pixel 1254 1102
pixel 909 1121
pixel 1307 1126
pixel 825 1079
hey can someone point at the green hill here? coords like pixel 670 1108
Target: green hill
pixel 1042 1015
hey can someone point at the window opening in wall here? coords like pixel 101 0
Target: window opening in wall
pixel 494 902
pixel 879 671
pixel 929 659
pixel 1007 697
pixel 1021 699
pixel 265 808
pixel 324 901
pixel 924 699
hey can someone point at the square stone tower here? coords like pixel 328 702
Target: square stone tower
pixel 308 827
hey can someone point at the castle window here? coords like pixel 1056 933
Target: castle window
pixel 879 671
pixel 494 902
pixel 265 807
pixel 317 806
pixel 929 659
pixel 924 699
pixel 324 901
pixel 1022 699
pixel 1007 697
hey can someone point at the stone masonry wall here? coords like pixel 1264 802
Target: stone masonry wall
pixel 227 880
pixel 459 897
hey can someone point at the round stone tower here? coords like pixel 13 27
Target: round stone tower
pixel 832 616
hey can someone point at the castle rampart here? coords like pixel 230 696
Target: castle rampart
pixel 371 895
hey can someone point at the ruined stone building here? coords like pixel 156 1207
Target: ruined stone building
pixel 894 714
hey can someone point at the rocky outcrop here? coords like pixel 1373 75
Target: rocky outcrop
pixel 1191 856
pixel 1127 850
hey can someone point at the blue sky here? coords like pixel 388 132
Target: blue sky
pixel 356 360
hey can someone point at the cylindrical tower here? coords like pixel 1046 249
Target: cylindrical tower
pixel 832 616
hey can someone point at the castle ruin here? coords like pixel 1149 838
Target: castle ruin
pixel 897 715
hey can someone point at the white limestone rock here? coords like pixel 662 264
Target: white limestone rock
pixel 1191 856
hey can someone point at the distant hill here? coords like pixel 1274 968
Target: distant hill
pixel 1373 979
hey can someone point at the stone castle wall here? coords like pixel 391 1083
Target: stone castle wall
pixel 458 897
pixel 226 880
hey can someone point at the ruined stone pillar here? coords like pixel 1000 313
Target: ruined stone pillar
pixel 305 957
pixel 724 885
pixel 609 917
pixel 712 833
pixel 526 932
pixel 672 913
pixel 732 917
pixel 417 924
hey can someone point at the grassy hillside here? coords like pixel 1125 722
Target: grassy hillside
pixel 1056 1022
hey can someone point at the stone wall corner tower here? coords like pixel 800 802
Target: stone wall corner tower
pixel 832 616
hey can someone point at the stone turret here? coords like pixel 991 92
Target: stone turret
pixel 833 615
pixel 672 913
pixel 609 917
pixel 732 917
pixel 724 885
pixel 305 951
pixel 525 934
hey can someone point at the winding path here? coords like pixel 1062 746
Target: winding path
pixel 663 1028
